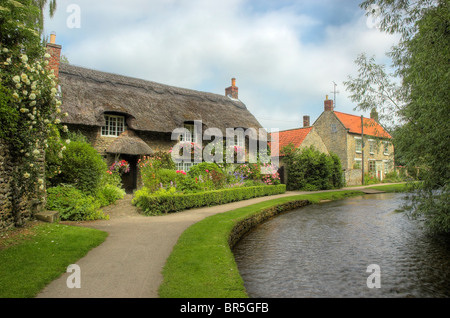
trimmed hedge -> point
(160, 204)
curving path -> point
(129, 263)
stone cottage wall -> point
(334, 136)
(377, 155)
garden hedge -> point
(160, 204)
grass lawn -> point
(31, 258)
(391, 187)
(202, 264)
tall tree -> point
(416, 95)
(41, 4)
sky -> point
(286, 55)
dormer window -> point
(114, 126)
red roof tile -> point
(353, 123)
(294, 136)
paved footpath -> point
(129, 263)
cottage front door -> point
(129, 180)
(379, 169)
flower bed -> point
(166, 189)
(156, 204)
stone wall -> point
(6, 217)
(314, 139)
(352, 177)
(333, 135)
(29, 204)
(244, 226)
(377, 154)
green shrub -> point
(152, 204)
(393, 176)
(310, 169)
(109, 194)
(73, 205)
(208, 176)
(203, 169)
(151, 168)
(167, 177)
(370, 179)
(82, 167)
(337, 178)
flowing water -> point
(324, 250)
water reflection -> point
(324, 251)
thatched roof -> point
(129, 144)
(88, 94)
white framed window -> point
(358, 163)
(190, 135)
(372, 166)
(114, 125)
(386, 147)
(371, 146)
(185, 166)
(358, 144)
(239, 140)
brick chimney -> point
(55, 54)
(306, 121)
(232, 91)
(328, 104)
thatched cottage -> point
(126, 118)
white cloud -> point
(201, 44)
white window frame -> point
(238, 140)
(374, 165)
(185, 166)
(371, 146)
(358, 160)
(110, 130)
(190, 136)
(358, 141)
(386, 147)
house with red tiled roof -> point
(362, 144)
(299, 138)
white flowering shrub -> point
(29, 99)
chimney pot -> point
(233, 90)
(53, 37)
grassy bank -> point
(391, 187)
(32, 257)
(202, 264)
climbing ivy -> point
(29, 101)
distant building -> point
(349, 138)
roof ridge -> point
(310, 127)
(357, 116)
(136, 82)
